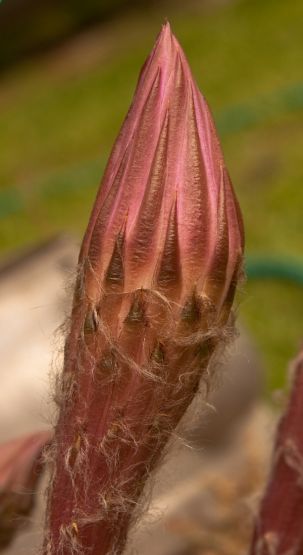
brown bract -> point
(157, 274)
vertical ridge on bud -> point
(158, 268)
(114, 274)
(215, 282)
(144, 233)
(169, 274)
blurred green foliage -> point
(61, 112)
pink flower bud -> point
(157, 273)
(20, 468)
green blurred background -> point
(68, 72)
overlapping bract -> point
(157, 273)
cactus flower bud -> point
(278, 528)
(157, 273)
(20, 468)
